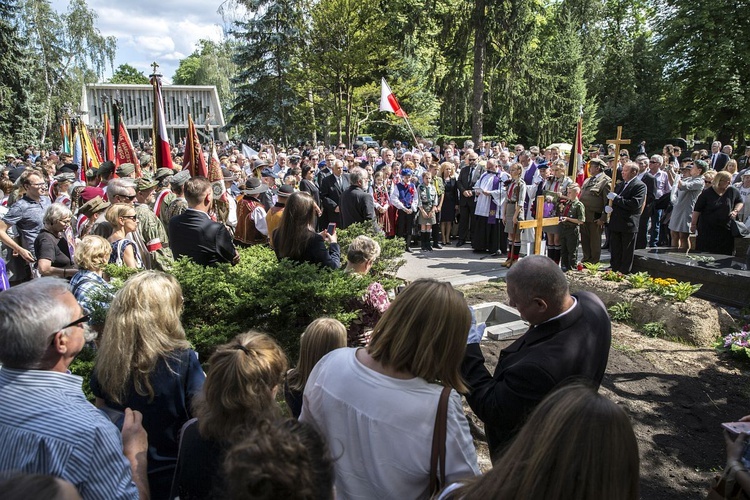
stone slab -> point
(724, 281)
(501, 321)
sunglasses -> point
(133, 217)
(129, 198)
(80, 321)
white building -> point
(201, 101)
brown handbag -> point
(437, 476)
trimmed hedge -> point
(261, 293)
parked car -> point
(367, 141)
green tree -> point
(269, 43)
(210, 64)
(16, 111)
(61, 46)
(127, 74)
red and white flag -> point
(388, 101)
(125, 152)
(162, 149)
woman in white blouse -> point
(376, 406)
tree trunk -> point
(480, 50)
(312, 117)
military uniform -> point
(154, 237)
(594, 198)
(570, 232)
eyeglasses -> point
(133, 217)
(80, 321)
(651, 161)
(39, 185)
(129, 198)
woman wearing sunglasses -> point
(124, 221)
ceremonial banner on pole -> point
(90, 157)
(109, 144)
(193, 159)
(388, 101)
(162, 150)
(126, 152)
(575, 165)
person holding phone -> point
(296, 240)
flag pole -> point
(411, 130)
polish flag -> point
(388, 101)
(162, 149)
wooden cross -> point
(540, 222)
(619, 140)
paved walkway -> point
(459, 266)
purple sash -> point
(492, 218)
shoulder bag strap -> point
(437, 476)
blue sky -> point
(164, 31)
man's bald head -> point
(538, 277)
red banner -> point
(126, 152)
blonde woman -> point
(395, 383)
(239, 393)
(124, 221)
(92, 255)
(145, 363)
(450, 201)
(558, 183)
(320, 337)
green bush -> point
(654, 329)
(622, 311)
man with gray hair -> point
(569, 337)
(46, 424)
(121, 190)
(356, 204)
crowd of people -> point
(375, 409)
(431, 193)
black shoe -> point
(436, 245)
(496, 254)
(605, 247)
(460, 243)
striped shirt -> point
(48, 427)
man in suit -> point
(650, 181)
(628, 202)
(356, 204)
(594, 197)
(718, 159)
(195, 235)
(467, 178)
(331, 188)
(569, 337)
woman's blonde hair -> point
(576, 444)
(92, 253)
(115, 212)
(424, 332)
(142, 326)
(320, 337)
(362, 249)
(240, 385)
(722, 176)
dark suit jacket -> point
(466, 182)
(720, 163)
(575, 345)
(330, 196)
(649, 180)
(195, 235)
(627, 207)
(356, 206)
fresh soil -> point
(676, 395)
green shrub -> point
(622, 311)
(655, 329)
(82, 366)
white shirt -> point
(380, 429)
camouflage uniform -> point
(158, 254)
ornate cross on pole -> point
(540, 222)
(617, 141)
(155, 66)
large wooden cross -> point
(617, 141)
(540, 222)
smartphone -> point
(737, 427)
(332, 228)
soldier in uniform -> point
(178, 204)
(164, 194)
(594, 197)
(151, 233)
